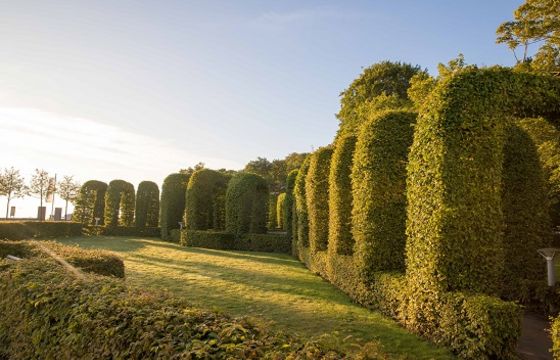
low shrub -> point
(123, 231)
(174, 235)
(220, 240)
(276, 243)
(20, 230)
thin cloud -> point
(310, 14)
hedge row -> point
(280, 209)
(272, 221)
(147, 205)
(301, 231)
(119, 203)
(90, 203)
(172, 207)
(122, 231)
(246, 204)
(289, 210)
(48, 314)
(221, 240)
(19, 230)
(205, 200)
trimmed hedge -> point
(123, 231)
(280, 208)
(246, 204)
(379, 193)
(221, 240)
(90, 203)
(317, 196)
(92, 261)
(272, 221)
(205, 200)
(48, 314)
(555, 332)
(147, 205)
(289, 211)
(301, 231)
(172, 207)
(19, 230)
(119, 204)
(340, 197)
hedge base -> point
(122, 231)
(221, 240)
(20, 230)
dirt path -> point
(535, 340)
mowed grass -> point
(273, 290)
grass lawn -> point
(273, 290)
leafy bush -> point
(555, 331)
(317, 196)
(379, 192)
(272, 222)
(123, 231)
(205, 200)
(221, 240)
(301, 231)
(147, 205)
(246, 204)
(280, 206)
(90, 203)
(119, 203)
(19, 230)
(172, 207)
(289, 210)
(277, 243)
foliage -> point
(246, 204)
(340, 197)
(222, 240)
(41, 183)
(172, 207)
(90, 203)
(301, 214)
(272, 222)
(275, 172)
(280, 206)
(119, 204)
(379, 192)
(147, 205)
(205, 200)
(19, 230)
(122, 231)
(555, 331)
(289, 202)
(317, 196)
(12, 186)
(69, 190)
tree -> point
(12, 186)
(40, 184)
(535, 22)
(68, 189)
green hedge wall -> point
(205, 200)
(221, 240)
(340, 197)
(455, 219)
(289, 211)
(526, 214)
(301, 231)
(555, 331)
(90, 203)
(246, 204)
(122, 231)
(19, 230)
(280, 208)
(272, 222)
(147, 205)
(379, 193)
(317, 196)
(172, 207)
(119, 203)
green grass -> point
(273, 290)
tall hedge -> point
(272, 222)
(289, 213)
(379, 193)
(246, 204)
(340, 197)
(301, 215)
(454, 188)
(90, 203)
(205, 200)
(280, 206)
(526, 217)
(119, 203)
(317, 195)
(172, 206)
(147, 205)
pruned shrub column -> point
(289, 209)
(272, 222)
(280, 206)
(90, 203)
(246, 204)
(317, 195)
(172, 210)
(205, 200)
(119, 204)
(379, 193)
(340, 197)
(147, 205)
(302, 229)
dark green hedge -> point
(340, 197)
(19, 230)
(289, 211)
(379, 193)
(246, 204)
(221, 240)
(147, 205)
(272, 222)
(172, 207)
(91, 261)
(119, 203)
(317, 196)
(122, 231)
(280, 208)
(90, 203)
(301, 231)
(48, 314)
(205, 200)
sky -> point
(137, 90)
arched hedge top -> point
(91, 202)
(147, 204)
(246, 204)
(119, 203)
(455, 175)
(205, 200)
(172, 207)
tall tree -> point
(40, 183)
(12, 185)
(535, 22)
(68, 189)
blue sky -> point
(171, 83)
